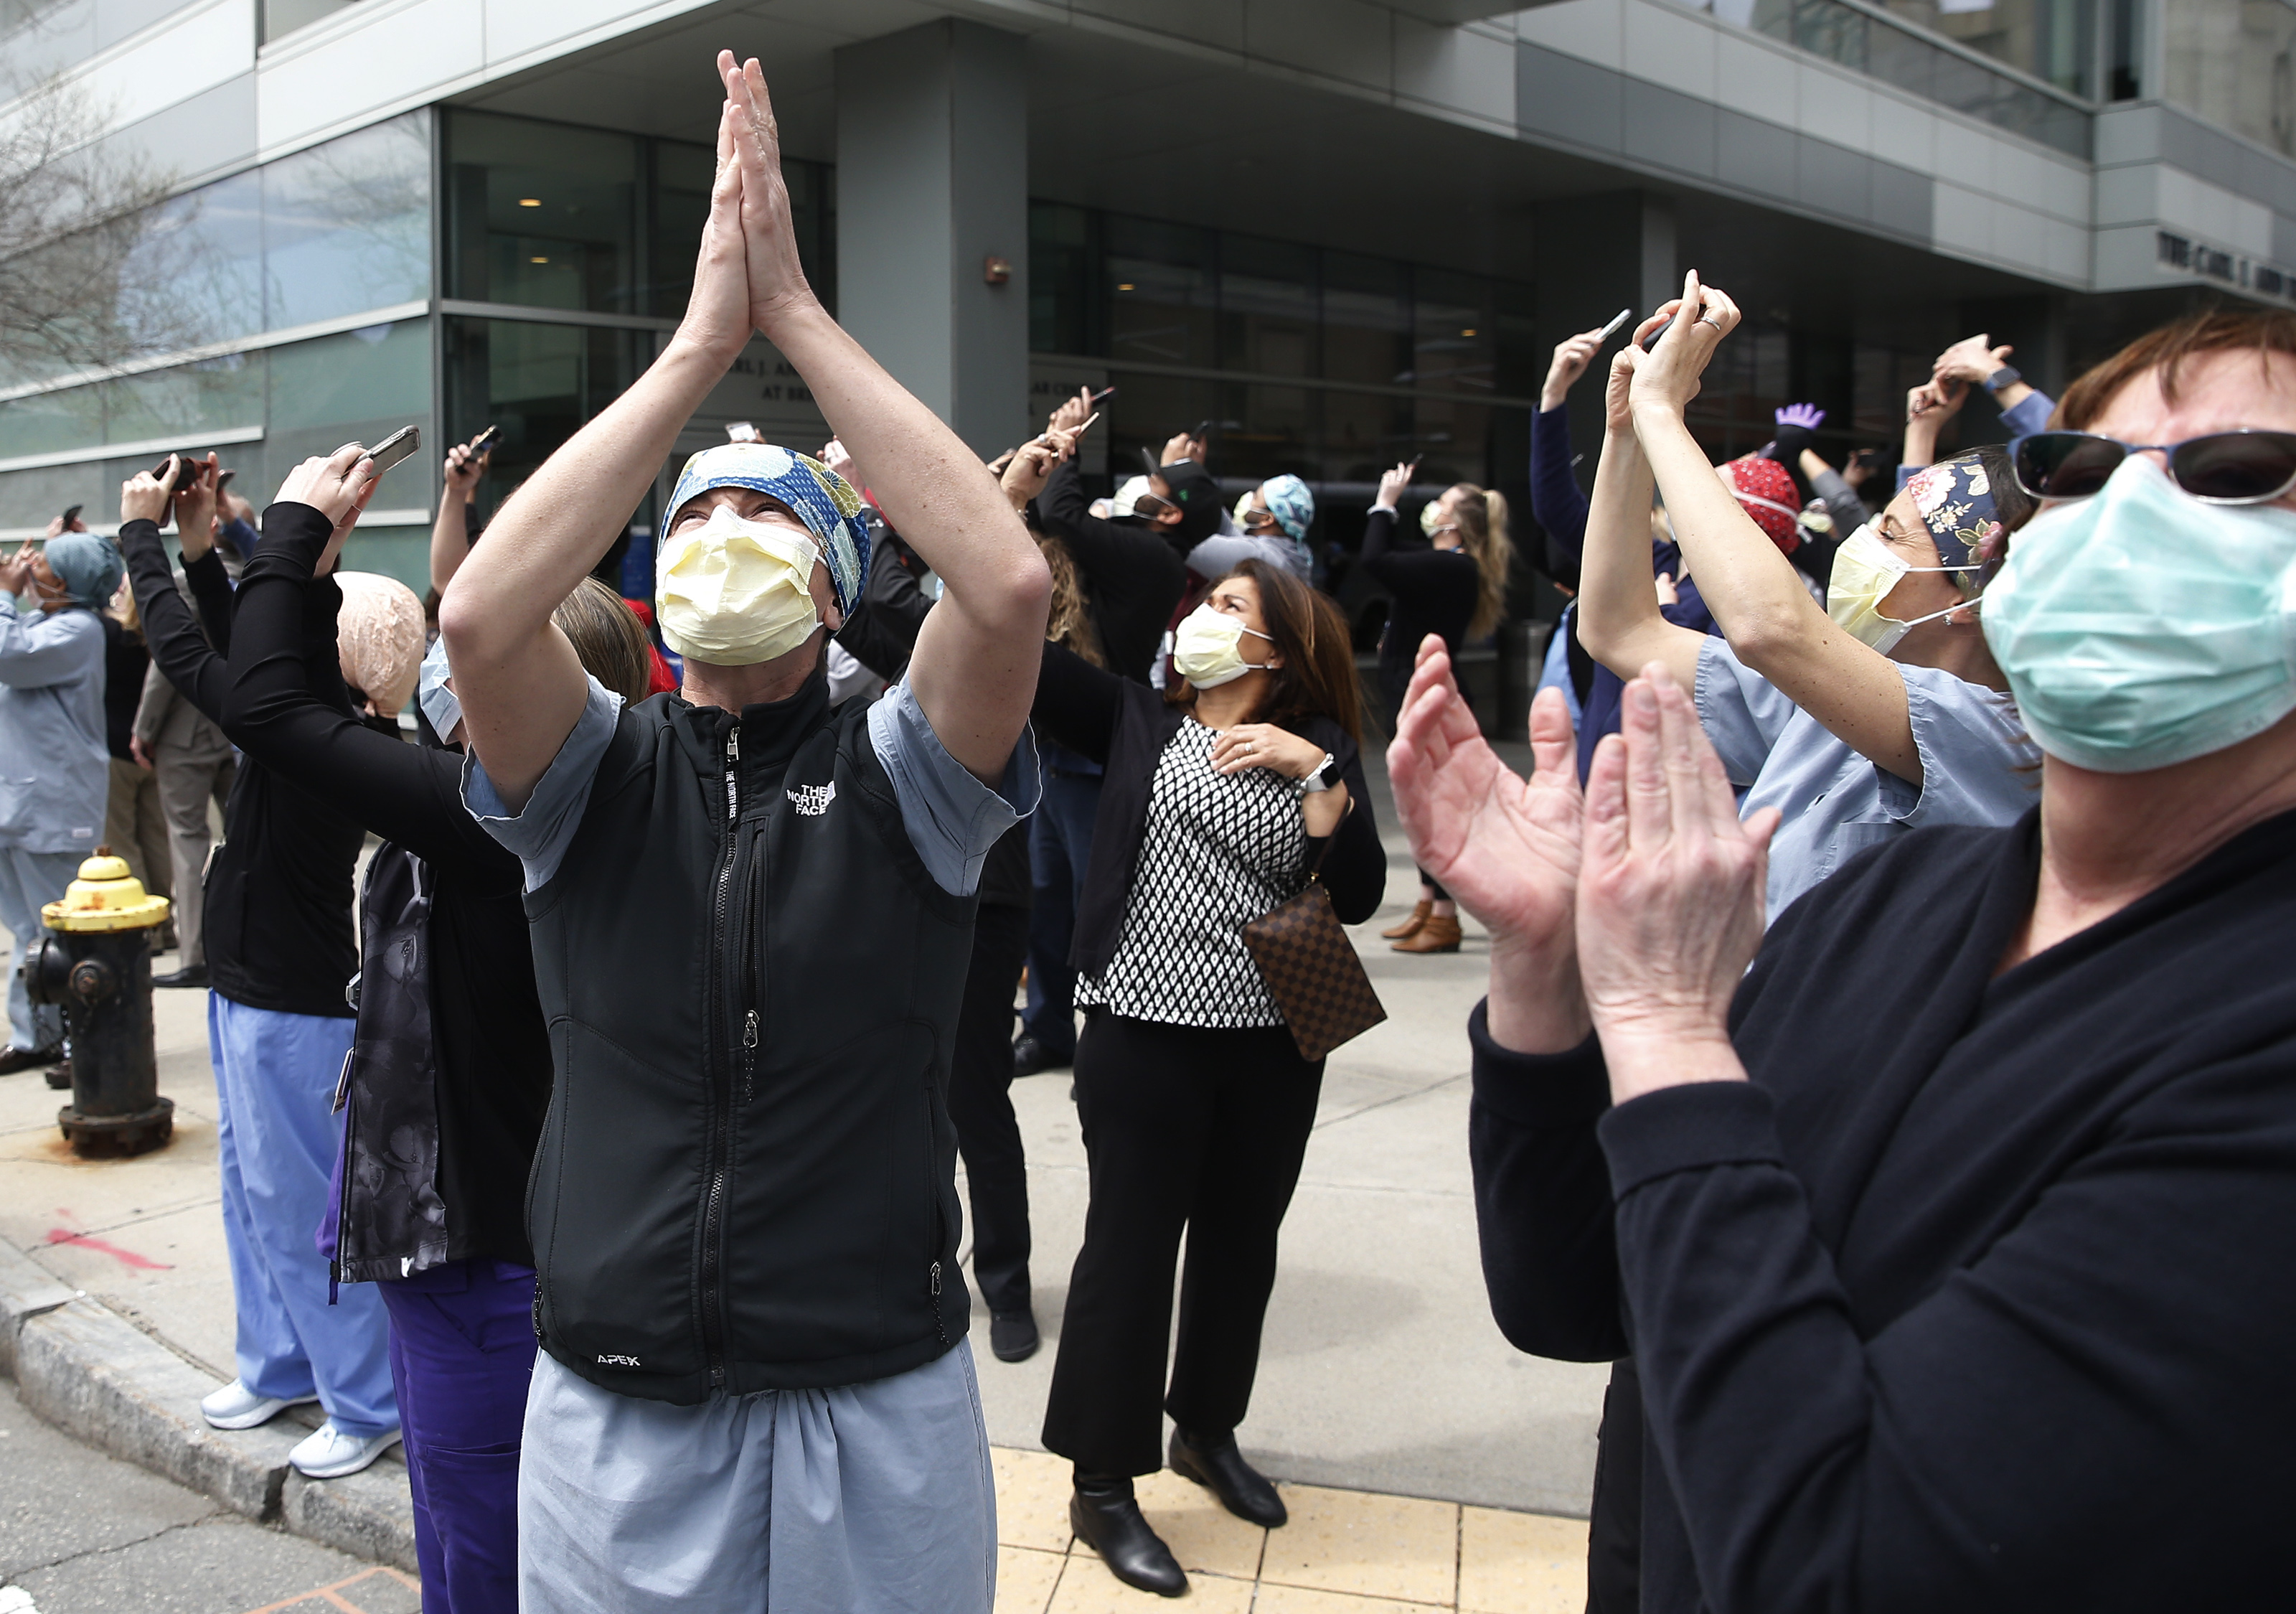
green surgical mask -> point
(2141, 628)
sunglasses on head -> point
(2221, 468)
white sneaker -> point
(329, 1453)
(236, 1407)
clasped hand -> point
(748, 276)
(1632, 907)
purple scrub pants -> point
(462, 1352)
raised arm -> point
(1772, 623)
(450, 533)
(974, 672)
(521, 684)
(406, 793)
(1619, 621)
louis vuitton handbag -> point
(1312, 970)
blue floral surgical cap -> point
(825, 501)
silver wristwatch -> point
(1326, 775)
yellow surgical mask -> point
(1864, 571)
(734, 593)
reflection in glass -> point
(1454, 342)
(347, 225)
(215, 395)
(537, 382)
(2234, 61)
(52, 423)
(1266, 307)
(680, 205)
(336, 389)
(1160, 287)
(542, 214)
(196, 273)
(1066, 310)
(1366, 319)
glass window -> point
(347, 225)
(215, 395)
(360, 386)
(1064, 292)
(1267, 307)
(542, 214)
(1366, 319)
(2234, 61)
(196, 272)
(1160, 284)
(683, 174)
(1454, 338)
(52, 423)
(2054, 40)
(284, 17)
(538, 383)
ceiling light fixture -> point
(529, 201)
(1466, 333)
(1125, 287)
(538, 260)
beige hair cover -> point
(380, 638)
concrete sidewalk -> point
(1382, 1371)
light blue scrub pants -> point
(28, 881)
(275, 1075)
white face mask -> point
(1864, 571)
(1208, 648)
(734, 593)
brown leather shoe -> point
(1411, 923)
(1440, 933)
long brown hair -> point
(1070, 623)
(1317, 678)
(1482, 516)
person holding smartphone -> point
(458, 521)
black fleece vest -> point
(747, 1180)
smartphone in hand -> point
(485, 440)
(394, 448)
(187, 472)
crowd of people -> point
(1876, 1068)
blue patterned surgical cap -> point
(825, 501)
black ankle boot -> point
(1108, 1520)
(1213, 1463)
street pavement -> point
(81, 1533)
(1382, 1371)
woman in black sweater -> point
(1195, 1101)
(451, 1075)
(1952, 1239)
(1451, 583)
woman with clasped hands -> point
(1952, 1237)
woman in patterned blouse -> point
(1220, 800)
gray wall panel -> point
(1560, 96)
(1834, 177)
(1660, 126)
(1904, 202)
(212, 132)
(1754, 155)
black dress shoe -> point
(13, 1059)
(59, 1074)
(1030, 1055)
(1213, 1463)
(1109, 1521)
(1012, 1335)
(190, 975)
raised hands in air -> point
(1631, 908)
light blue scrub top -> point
(1977, 766)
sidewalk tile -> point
(1087, 1587)
(1025, 1579)
(1297, 1600)
(1401, 1547)
(1522, 1563)
(1032, 1498)
(1202, 1535)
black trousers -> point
(980, 1106)
(1614, 1530)
(1186, 1129)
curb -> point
(89, 1372)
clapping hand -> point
(16, 571)
(1505, 848)
(1670, 894)
(1970, 360)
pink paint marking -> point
(144, 1263)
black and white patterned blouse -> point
(1216, 853)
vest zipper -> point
(713, 1232)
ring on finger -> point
(1708, 319)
